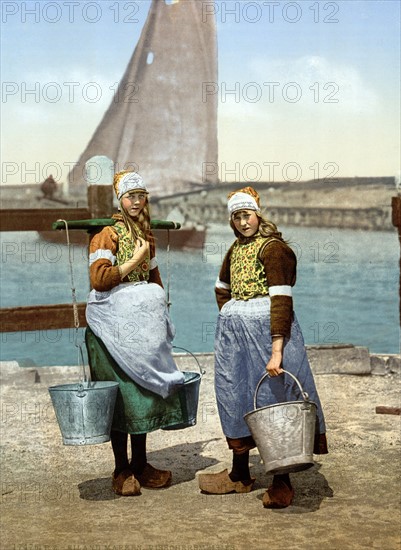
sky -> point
(306, 89)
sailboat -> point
(160, 122)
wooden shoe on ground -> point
(221, 484)
(125, 484)
(278, 495)
(152, 478)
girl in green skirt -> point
(129, 336)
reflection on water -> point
(346, 291)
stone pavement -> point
(57, 497)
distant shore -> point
(354, 203)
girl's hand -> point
(141, 250)
(273, 367)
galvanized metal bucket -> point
(84, 411)
(189, 396)
(284, 433)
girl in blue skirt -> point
(257, 331)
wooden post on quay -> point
(99, 172)
(396, 218)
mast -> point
(159, 123)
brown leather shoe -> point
(221, 484)
(152, 478)
(125, 484)
(278, 495)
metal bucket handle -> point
(202, 371)
(267, 375)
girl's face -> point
(246, 222)
(133, 202)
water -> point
(346, 291)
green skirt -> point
(137, 410)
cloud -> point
(57, 99)
(49, 116)
(318, 82)
(271, 90)
(50, 90)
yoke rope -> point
(74, 303)
(168, 269)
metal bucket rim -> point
(279, 405)
(197, 377)
(77, 386)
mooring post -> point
(396, 218)
(99, 172)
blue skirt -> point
(243, 347)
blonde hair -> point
(266, 229)
(141, 224)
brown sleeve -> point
(102, 249)
(280, 268)
(154, 274)
(223, 283)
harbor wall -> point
(354, 203)
(200, 212)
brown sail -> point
(160, 122)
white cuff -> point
(280, 290)
(100, 253)
(221, 284)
